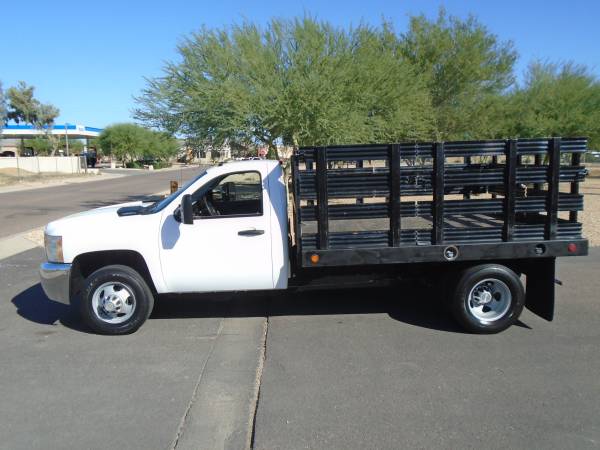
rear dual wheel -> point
(487, 298)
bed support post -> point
(322, 202)
(438, 193)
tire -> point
(115, 300)
(487, 299)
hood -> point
(104, 229)
(93, 218)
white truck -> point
(228, 229)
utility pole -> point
(67, 138)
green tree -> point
(39, 145)
(75, 145)
(557, 100)
(300, 82)
(24, 107)
(43, 146)
(159, 145)
(305, 82)
(466, 68)
(3, 112)
(129, 142)
(94, 144)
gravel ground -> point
(591, 210)
(10, 176)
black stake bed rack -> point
(435, 202)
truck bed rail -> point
(447, 194)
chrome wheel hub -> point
(113, 302)
(489, 300)
(483, 297)
(111, 305)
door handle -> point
(251, 232)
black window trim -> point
(213, 183)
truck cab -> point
(225, 230)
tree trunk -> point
(272, 152)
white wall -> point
(37, 164)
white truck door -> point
(228, 247)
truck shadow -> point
(33, 305)
(415, 306)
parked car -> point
(7, 153)
(91, 158)
(227, 230)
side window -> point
(236, 194)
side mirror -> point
(187, 213)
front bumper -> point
(56, 280)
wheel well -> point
(86, 263)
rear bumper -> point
(55, 281)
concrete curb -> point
(18, 243)
(221, 410)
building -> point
(12, 136)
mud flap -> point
(540, 287)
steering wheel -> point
(210, 207)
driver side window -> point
(236, 194)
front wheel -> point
(115, 300)
(488, 298)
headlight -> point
(54, 249)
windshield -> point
(159, 206)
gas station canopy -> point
(30, 132)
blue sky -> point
(89, 59)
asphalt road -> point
(343, 369)
(24, 210)
(386, 369)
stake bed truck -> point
(477, 217)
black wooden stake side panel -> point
(395, 194)
(359, 165)
(442, 180)
(553, 187)
(438, 193)
(322, 201)
(511, 187)
(575, 161)
(467, 194)
(309, 166)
